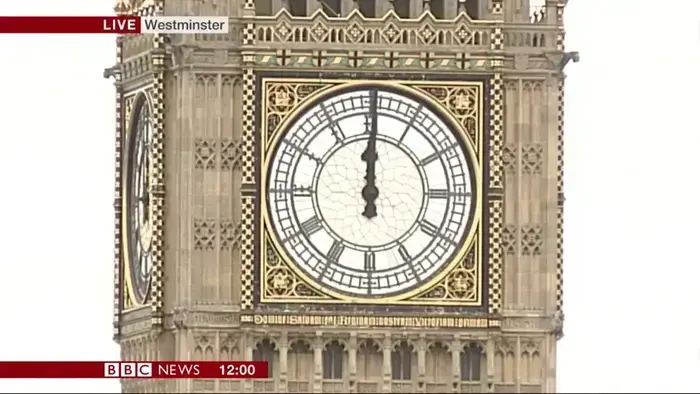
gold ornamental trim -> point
(281, 281)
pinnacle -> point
(122, 6)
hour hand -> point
(369, 156)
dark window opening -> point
(473, 9)
(402, 8)
(297, 7)
(470, 363)
(265, 351)
(437, 8)
(401, 359)
(367, 8)
(263, 7)
(333, 361)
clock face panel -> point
(139, 229)
(317, 202)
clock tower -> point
(367, 194)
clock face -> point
(370, 193)
(138, 219)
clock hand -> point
(369, 156)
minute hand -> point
(369, 156)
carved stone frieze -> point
(530, 238)
(222, 154)
(212, 233)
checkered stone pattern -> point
(560, 40)
(496, 132)
(560, 13)
(247, 257)
(495, 207)
(560, 192)
(495, 255)
(497, 39)
(118, 191)
(248, 137)
(496, 6)
(249, 5)
(158, 176)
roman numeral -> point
(301, 150)
(297, 191)
(403, 252)
(410, 123)
(438, 193)
(428, 228)
(335, 251)
(444, 193)
(431, 158)
(370, 262)
(311, 225)
(333, 125)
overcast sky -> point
(632, 162)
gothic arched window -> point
(265, 351)
(470, 363)
(333, 361)
(401, 361)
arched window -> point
(300, 361)
(369, 361)
(470, 363)
(265, 351)
(438, 362)
(401, 361)
(333, 361)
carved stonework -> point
(205, 231)
(532, 159)
(231, 233)
(510, 239)
(463, 102)
(205, 152)
(279, 282)
(282, 99)
(460, 285)
(531, 240)
(510, 158)
(231, 154)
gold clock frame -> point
(461, 282)
(133, 104)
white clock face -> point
(138, 219)
(420, 209)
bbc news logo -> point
(128, 370)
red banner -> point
(70, 24)
(139, 370)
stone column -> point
(318, 363)
(421, 356)
(456, 350)
(490, 365)
(352, 356)
(248, 343)
(283, 345)
(387, 363)
(421, 365)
